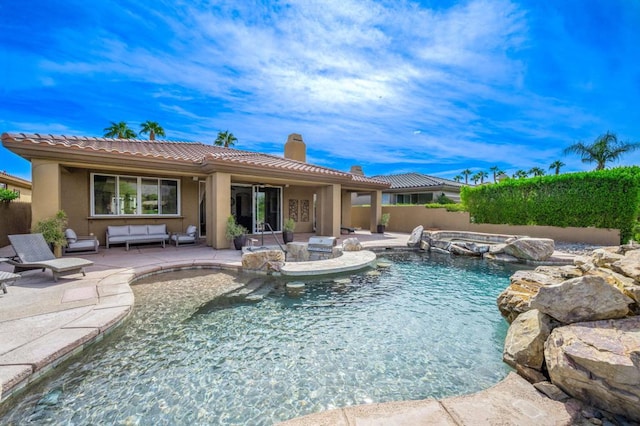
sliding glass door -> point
(267, 202)
(253, 205)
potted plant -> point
(287, 230)
(384, 221)
(52, 229)
(236, 233)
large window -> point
(131, 195)
(423, 198)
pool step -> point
(254, 291)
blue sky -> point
(395, 86)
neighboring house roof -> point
(181, 155)
(14, 180)
(417, 181)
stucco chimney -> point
(295, 148)
(356, 170)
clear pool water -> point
(193, 353)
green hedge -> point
(454, 207)
(602, 199)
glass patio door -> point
(267, 203)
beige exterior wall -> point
(406, 218)
(328, 220)
(345, 209)
(218, 209)
(76, 202)
(304, 196)
(46, 196)
(375, 212)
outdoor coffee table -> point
(6, 277)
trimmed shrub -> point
(8, 195)
(601, 199)
(455, 207)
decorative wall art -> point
(305, 211)
(293, 210)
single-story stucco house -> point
(18, 185)
(412, 188)
(100, 182)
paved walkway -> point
(43, 322)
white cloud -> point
(384, 82)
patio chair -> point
(79, 243)
(33, 252)
(187, 237)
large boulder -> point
(629, 265)
(599, 363)
(461, 250)
(531, 248)
(516, 298)
(263, 260)
(416, 236)
(500, 257)
(587, 298)
(628, 286)
(603, 257)
(524, 344)
(351, 244)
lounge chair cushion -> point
(70, 235)
(191, 230)
(80, 245)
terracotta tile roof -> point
(416, 180)
(192, 152)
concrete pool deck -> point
(43, 323)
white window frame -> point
(138, 195)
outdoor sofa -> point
(136, 234)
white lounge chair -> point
(33, 252)
(187, 237)
(79, 243)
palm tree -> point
(604, 149)
(153, 128)
(556, 165)
(457, 178)
(520, 174)
(119, 130)
(225, 139)
(496, 171)
(536, 171)
(466, 173)
(483, 175)
(476, 177)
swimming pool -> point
(196, 350)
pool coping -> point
(40, 354)
(348, 261)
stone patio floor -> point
(42, 323)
